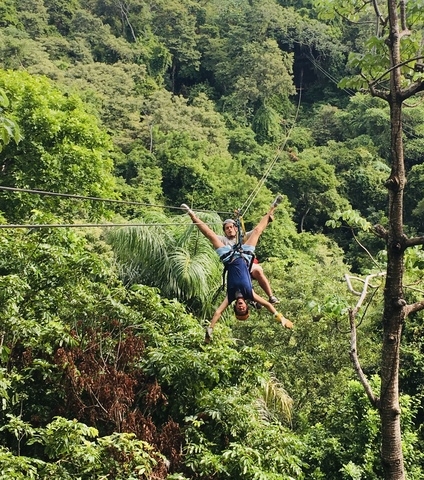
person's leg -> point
(265, 220)
(259, 275)
(207, 232)
(260, 227)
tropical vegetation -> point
(114, 113)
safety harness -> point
(236, 249)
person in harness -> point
(237, 261)
(229, 226)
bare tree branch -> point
(380, 231)
(376, 92)
(416, 104)
(124, 15)
(355, 360)
(403, 16)
(364, 291)
(409, 287)
(414, 307)
(414, 88)
(353, 340)
(378, 13)
(365, 249)
(412, 242)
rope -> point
(240, 232)
(90, 225)
(261, 182)
(255, 191)
(98, 199)
(407, 128)
(328, 74)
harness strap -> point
(228, 257)
(240, 230)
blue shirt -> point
(238, 274)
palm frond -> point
(192, 274)
(138, 243)
(177, 259)
(274, 401)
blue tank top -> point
(238, 279)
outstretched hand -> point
(208, 335)
(277, 201)
(187, 208)
(285, 322)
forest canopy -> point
(113, 114)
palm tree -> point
(273, 402)
(171, 255)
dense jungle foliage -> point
(127, 109)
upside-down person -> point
(237, 262)
(256, 272)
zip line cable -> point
(246, 205)
(328, 74)
(98, 199)
(125, 202)
(240, 212)
(261, 182)
(92, 225)
(244, 208)
(350, 92)
(70, 195)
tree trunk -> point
(391, 30)
(393, 315)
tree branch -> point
(403, 16)
(380, 231)
(353, 340)
(414, 88)
(378, 14)
(365, 249)
(414, 307)
(364, 292)
(124, 13)
(375, 92)
(355, 360)
(356, 11)
(401, 64)
(412, 242)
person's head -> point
(230, 228)
(241, 308)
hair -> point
(229, 220)
(241, 316)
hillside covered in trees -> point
(114, 113)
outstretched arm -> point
(278, 316)
(207, 232)
(218, 312)
(215, 318)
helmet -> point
(228, 220)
